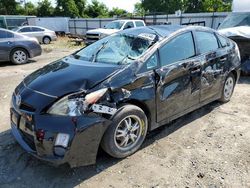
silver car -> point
(17, 48)
(43, 35)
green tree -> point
(67, 8)
(193, 6)
(30, 8)
(217, 5)
(81, 5)
(139, 10)
(117, 12)
(166, 6)
(8, 7)
(45, 8)
(97, 9)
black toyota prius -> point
(111, 93)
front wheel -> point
(126, 133)
(228, 88)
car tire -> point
(126, 133)
(228, 88)
(46, 40)
(19, 56)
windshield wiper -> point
(94, 56)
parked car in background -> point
(43, 35)
(111, 93)
(17, 48)
(58, 24)
(112, 27)
(236, 26)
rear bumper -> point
(36, 51)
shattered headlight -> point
(74, 105)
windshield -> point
(116, 49)
(115, 25)
(235, 20)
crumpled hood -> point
(102, 31)
(242, 31)
(68, 75)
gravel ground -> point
(209, 147)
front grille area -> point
(92, 36)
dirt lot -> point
(207, 148)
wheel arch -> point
(141, 105)
(234, 72)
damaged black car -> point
(111, 93)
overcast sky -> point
(124, 4)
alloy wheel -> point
(128, 132)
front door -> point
(178, 87)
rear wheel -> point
(46, 40)
(228, 88)
(19, 56)
(126, 133)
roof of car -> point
(163, 31)
(126, 20)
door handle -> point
(9, 42)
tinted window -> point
(206, 42)
(36, 29)
(223, 41)
(26, 29)
(129, 25)
(179, 48)
(3, 34)
(139, 24)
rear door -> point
(6, 44)
(178, 87)
(38, 33)
(213, 61)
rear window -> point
(139, 23)
(207, 42)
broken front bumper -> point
(85, 136)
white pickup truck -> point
(112, 27)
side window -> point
(223, 41)
(207, 42)
(25, 29)
(129, 25)
(36, 29)
(179, 48)
(9, 35)
(139, 23)
(152, 62)
(3, 34)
